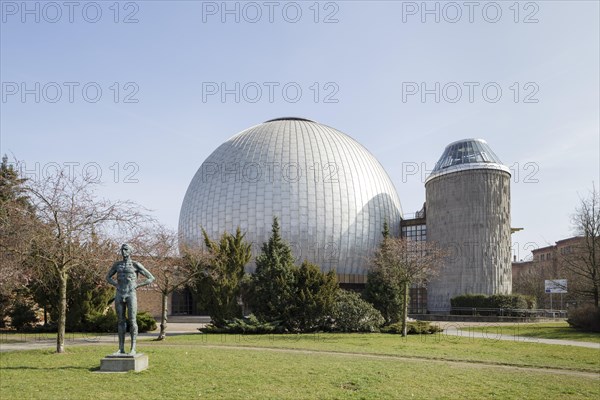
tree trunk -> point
(163, 317)
(405, 310)
(62, 312)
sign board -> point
(556, 286)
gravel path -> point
(451, 328)
(494, 335)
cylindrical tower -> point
(468, 214)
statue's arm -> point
(109, 275)
(142, 270)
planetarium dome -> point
(330, 194)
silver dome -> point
(330, 194)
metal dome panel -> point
(330, 194)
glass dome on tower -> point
(466, 154)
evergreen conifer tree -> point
(220, 286)
(273, 285)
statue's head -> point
(126, 249)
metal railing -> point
(508, 312)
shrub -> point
(470, 300)
(313, 300)
(84, 299)
(5, 307)
(49, 327)
(22, 316)
(585, 318)
(107, 322)
(102, 323)
(506, 302)
(412, 328)
(531, 301)
(300, 299)
(353, 314)
(245, 325)
(87, 295)
(145, 322)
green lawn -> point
(184, 369)
(548, 330)
(437, 346)
(218, 366)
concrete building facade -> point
(468, 215)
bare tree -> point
(530, 282)
(159, 247)
(582, 261)
(403, 262)
(72, 219)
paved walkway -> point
(48, 340)
(43, 342)
(495, 335)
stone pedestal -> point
(124, 363)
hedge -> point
(507, 302)
(586, 318)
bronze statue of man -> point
(126, 299)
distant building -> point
(545, 258)
(545, 264)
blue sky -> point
(361, 68)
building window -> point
(418, 300)
(415, 232)
(181, 302)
